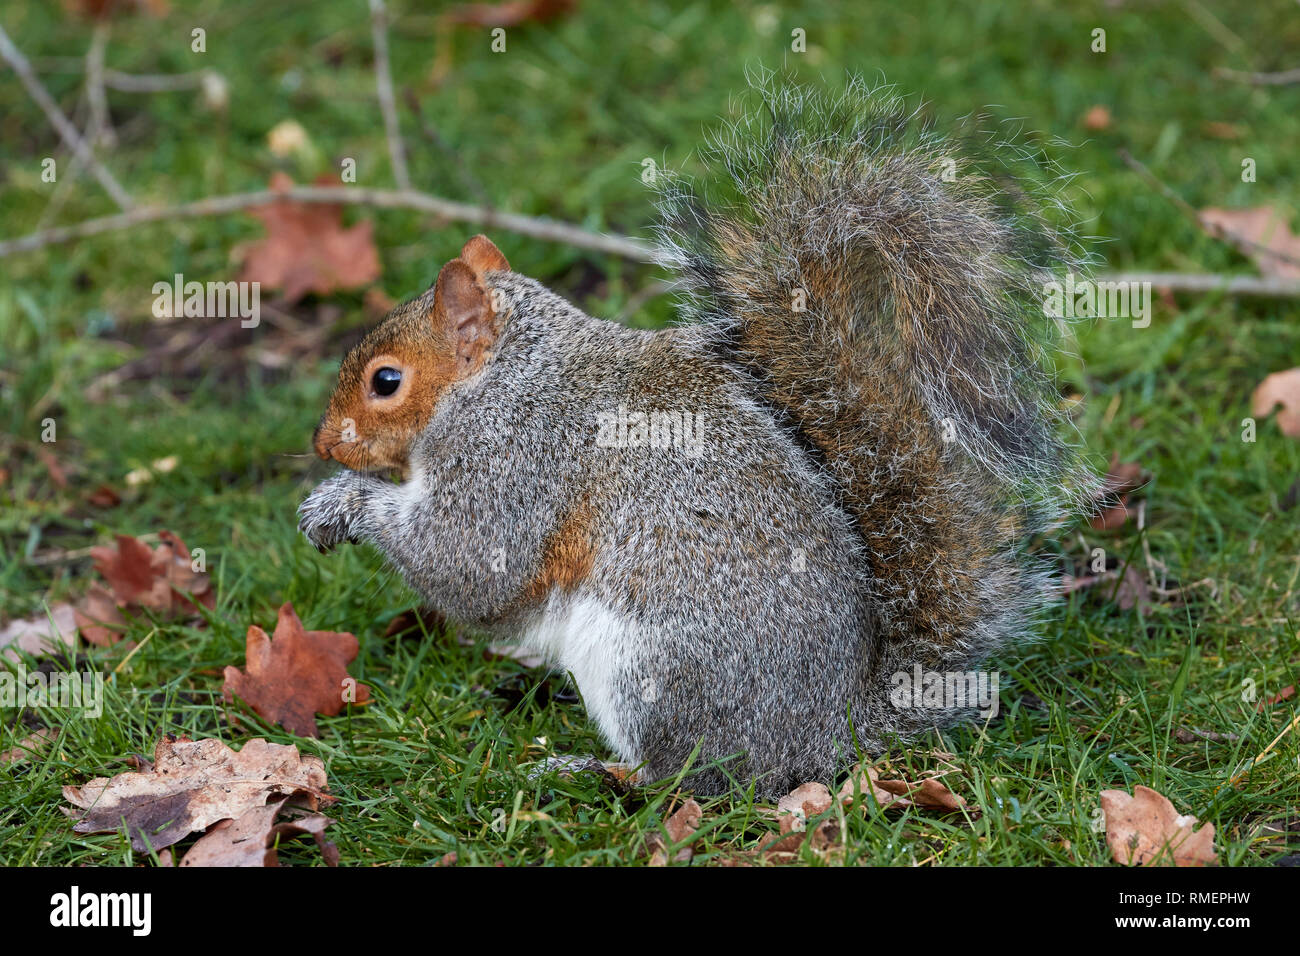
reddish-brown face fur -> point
(433, 341)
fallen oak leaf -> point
(794, 810)
(867, 781)
(102, 9)
(1097, 117)
(251, 838)
(104, 496)
(1217, 129)
(42, 634)
(421, 620)
(929, 794)
(307, 249)
(933, 795)
(1133, 591)
(241, 841)
(291, 678)
(1145, 829)
(193, 784)
(1280, 388)
(1122, 478)
(509, 14)
(51, 462)
(161, 579)
(30, 746)
(1286, 693)
(681, 826)
(1262, 234)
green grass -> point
(558, 126)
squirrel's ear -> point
(462, 309)
(483, 255)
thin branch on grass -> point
(154, 82)
(1282, 78)
(384, 84)
(1209, 282)
(18, 63)
(100, 129)
(535, 227)
(127, 82)
(548, 230)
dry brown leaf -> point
(250, 840)
(1280, 388)
(41, 634)
(864, 782)
(420, 621)
(1262, 234)
(1121, 479)
(1145, 829)
(680, 826)
(1217, 129)
(192, 785)
(509, 14)
(933, 795)
(296, 675)
(1286, 693)
(102, 9)
(929, 794)
(161, 579)
(794, 810)
(1133, 590)
(801, 804)
(104, 496)
(1097, 118)
(29, 746)
(51, 462)
(307, 249)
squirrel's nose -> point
(318, 442)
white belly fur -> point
(586, 638)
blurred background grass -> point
(558, 125)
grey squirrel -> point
(738, 532)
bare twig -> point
(384, 84)
(126, 82)
(18, 63)
(537, 228)
(1206, 282)
(153, 82)
(1283, 78)
(100, 132)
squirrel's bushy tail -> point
(885, 287)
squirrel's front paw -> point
(326, 517)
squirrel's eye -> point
(386, 381)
